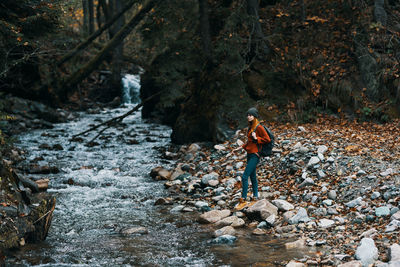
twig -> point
(44, 215)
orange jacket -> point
(252, 145)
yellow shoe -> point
(241, 205)
(253, 201)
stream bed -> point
(104, 191)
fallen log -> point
(43, 184)
(111, 122)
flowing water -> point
(106, 188)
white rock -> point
(297, 145)
(396, 216)
(330, 160)
(177, 208)
(367, 252)
(301, 129)
(213, 216)
(227, 230)
(321, 156)
(239, 142)
(322, 149)
(325, 223)
(351, 264)
(219, 147)
(301, 243)
(314, 160)
(370, 233)
(294, 263)
(282, 204)
(394, 252)
(134, 230)
(233, 221)
(213, 183)
(387, 172)
(199, 204)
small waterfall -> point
(131, 87)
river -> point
(105, 189)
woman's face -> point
(250, 117)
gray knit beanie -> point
(253, 111)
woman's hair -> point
(253, 124)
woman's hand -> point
(253, 134)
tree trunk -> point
(205, 28)
(117, 57)
(70, 84)
(85, 7)
(92, 37)
(91, 16)
(257, 40)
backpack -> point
(266, 149)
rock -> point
(327, 202)
(200, 204)
(370, 233)
(301, 243)
(313, 161)
(160, 173)
(325, 223)
(386, 172)
(214, 216)
(271, 220)
(208, 177)
(233, 221)
(321, 174)
(294, 263)
(227, 230)
(394, 253)
(351, 264)
(301, 129)
(322, 149)
(289, 214)
(382, 211)
(239, 165)
(177, 208)
(301, 216)
(282, 204)
(306, 182)
(176, 173)
(224, 239)
(213, 183)
(259, 231)
(161, 201)
(354, 202)
(396, 216)
(367, 252)
(133, 230)
(219, 147)
(261, 210)
(375, 195)
(392, 226)
(193, 148)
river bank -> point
(331, 186)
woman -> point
(256, 136)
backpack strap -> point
(258, 146)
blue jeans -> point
(252, 161)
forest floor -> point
(344, 174)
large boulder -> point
(261, 210)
